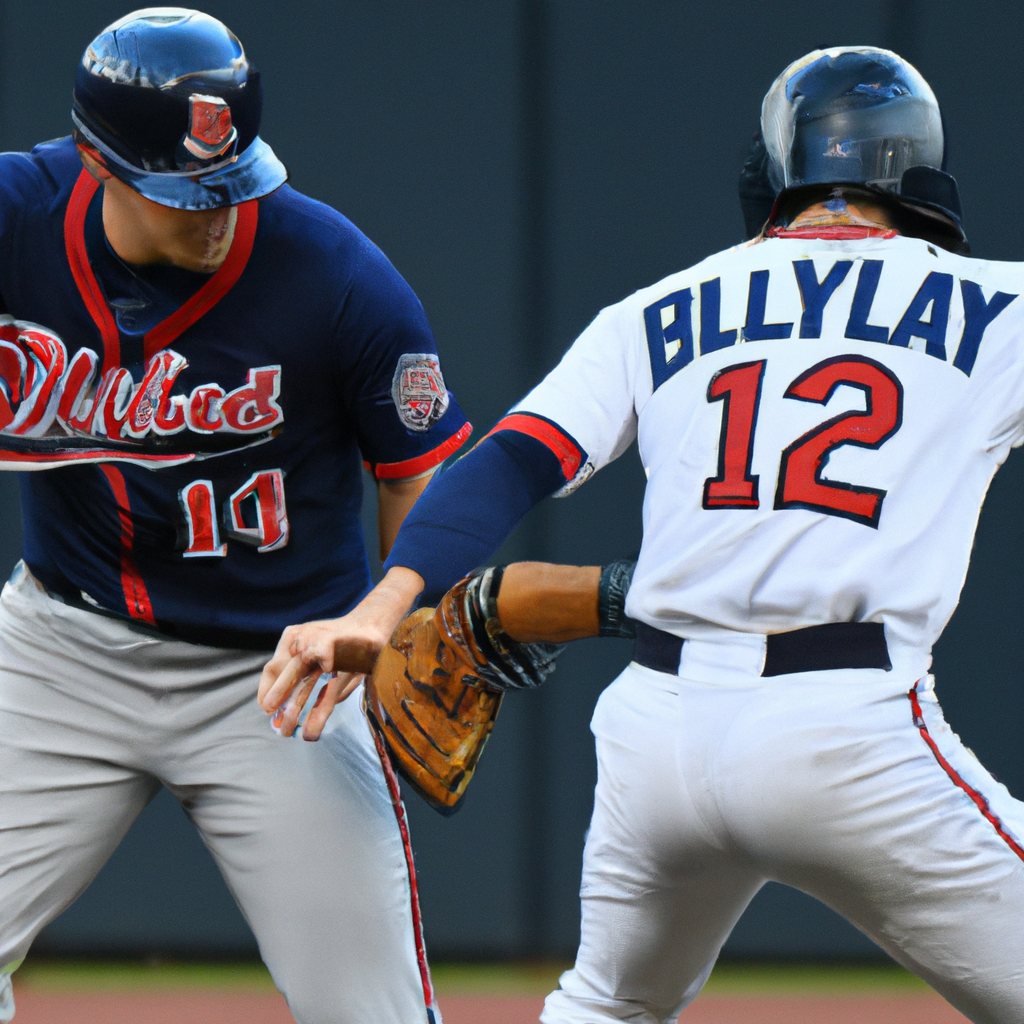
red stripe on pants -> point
(979, 800)
(417, 922)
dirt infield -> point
(241, 1007)
(712, 1009)
(97, 992)
(202, 1007)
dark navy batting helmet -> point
(859, 116)
(170, 100)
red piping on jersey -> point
(420, 464)
(215, 289)
(417, 922)
(562, 447)
(181, 319)
(88, 287)
(836, 233)
(979, 800)
(136, 597)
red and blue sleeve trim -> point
(425, 462)
(564, 448)
(469, 509)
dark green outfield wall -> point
(524, 163)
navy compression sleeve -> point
(464, 515)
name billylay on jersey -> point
(819, 421)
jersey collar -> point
(835, 233)
(181, 319)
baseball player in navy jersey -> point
(201, 360)
(820, 412)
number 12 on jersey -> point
(800, 484)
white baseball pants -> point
(94, 716)
(848, 785)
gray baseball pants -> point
(95, 716)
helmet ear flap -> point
(928, 186)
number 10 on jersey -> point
(259, 501)
(800, 483)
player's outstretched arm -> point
(347, 646)
(303, 648)
(543, 603)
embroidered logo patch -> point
(210, 130)
(418, 390)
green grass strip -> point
(90, 975)
(529, 979)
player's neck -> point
(839, 212)
(143, 232)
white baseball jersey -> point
(819, 421)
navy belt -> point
(812, 649)
(60, 588)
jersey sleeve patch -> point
(576, 466)
(418, 390)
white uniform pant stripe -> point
(979, 799)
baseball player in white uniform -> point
(820, 412)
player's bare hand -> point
(337, 689)
(306, 652)
(347, 646)
(338, 686)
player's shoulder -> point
(299, 220)
(311, 234)
(901, 258)
(48, 172)
(997, 273)
(903, 251)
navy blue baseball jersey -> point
(306, 339)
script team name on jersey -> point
(39, 383)
(942, 316)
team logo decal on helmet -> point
(418, 390)
(211, 132)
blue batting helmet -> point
(864, 117)
(850, 114)
(170, 100)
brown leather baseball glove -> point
(437, 687)
(431, 711)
